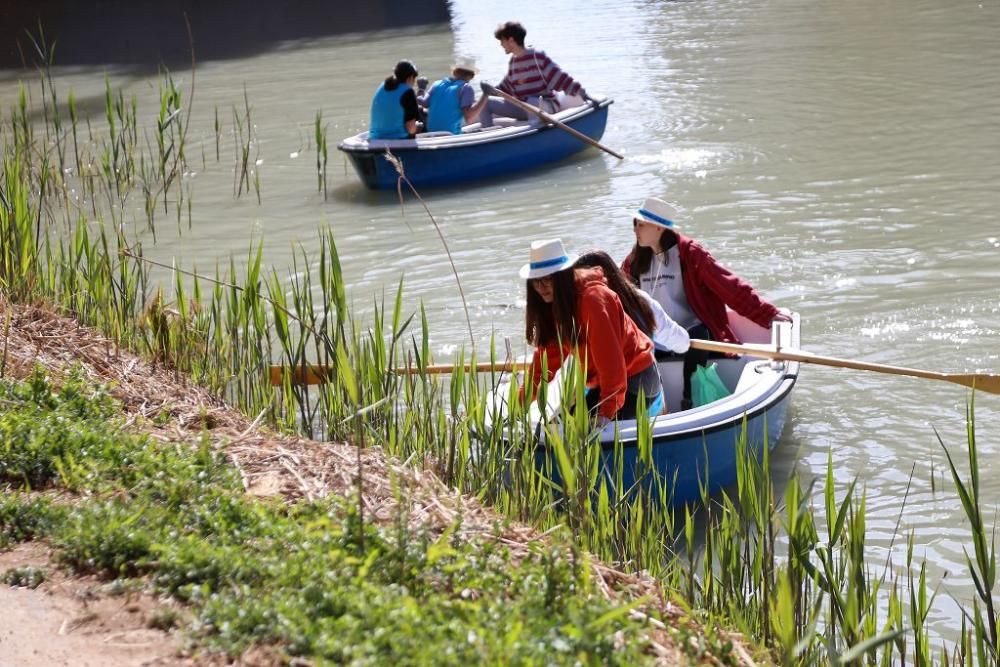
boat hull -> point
(439, 161)
(700, 448)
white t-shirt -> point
(667, 334)
(663, 282)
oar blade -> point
(987, 382)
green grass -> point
(308, 577)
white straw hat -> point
(547, 257)
(657, 212)
(468, 64)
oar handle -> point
(549, 119)
(980, 381)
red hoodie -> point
(710, 287)
(612, 345)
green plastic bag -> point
(707, 386)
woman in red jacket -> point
(573, 312)
(689, 283)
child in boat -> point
(573, 311)
(451, 102)
(693, 288)
(394, 112)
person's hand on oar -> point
(588, 99)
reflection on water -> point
(844, 158)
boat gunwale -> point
(465, 140)
(769, 400)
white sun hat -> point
(468, 64)
(656, 212)
(546, 258)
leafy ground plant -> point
(305, 578)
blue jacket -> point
(387, 114)
(444, 114)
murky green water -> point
(843, 157)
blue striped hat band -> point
(656, 218)
(548, 262)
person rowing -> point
(693, 288)
(531, 77)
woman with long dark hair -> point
(644, 310)
(394, 112)
(693, 288)
(572, 311)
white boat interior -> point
(473, 134)
(751, 381)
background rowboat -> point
(441, 158)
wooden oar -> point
(530, 108)
(318, 374)
(987, 382)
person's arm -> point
(411, 112)
(601, 319)
(506, 84)
(554, 77)
(547, 358)
(733, 290)
(470, 107)
(667, 334)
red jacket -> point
(710, 287)
(612, 345)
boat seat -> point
(748, 374)
(498, 122)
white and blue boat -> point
(698, 447)
(442, 158)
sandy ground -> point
(70, 621)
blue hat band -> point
(548, 262)
(656, 218)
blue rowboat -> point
(698, 447)
(442, 158)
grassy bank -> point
(311, 579)
(790, 571)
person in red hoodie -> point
(571, 311)
(689, 283)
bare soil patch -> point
(75, 621)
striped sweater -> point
(534, 73)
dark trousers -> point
(648, 380)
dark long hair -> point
(546, 323)
(635, 306)
(404, 70)
(642, 258)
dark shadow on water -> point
(148, 33)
